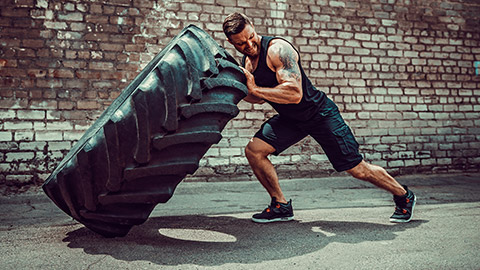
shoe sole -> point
(394, 220)
(272, 220)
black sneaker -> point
(403, 207)
(275, 212)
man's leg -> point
(257, 152)
(337, 140)
(404, 199)
(377, 176)
(275, 135)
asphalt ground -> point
(340, 223)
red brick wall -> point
(402, 72)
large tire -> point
(151, 136)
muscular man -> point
(274, 74)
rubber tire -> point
(150, 137)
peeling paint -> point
(156, 25)
(96, 55)
(42, 4)
(333, 46)
(159, 18)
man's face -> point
(247, 41)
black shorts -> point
(326, 127)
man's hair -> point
(235, 23)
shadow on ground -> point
(228, 239)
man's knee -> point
(359, 174)
(365, 171)
(362, 171)
(257, 148)
(250, 151)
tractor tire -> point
(150, 137)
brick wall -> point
(402, 72)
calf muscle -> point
(377, 176)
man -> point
(274, 74)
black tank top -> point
(312, 99)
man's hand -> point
(251, 85)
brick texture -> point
(404, 74)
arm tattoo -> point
(289, 64)
(287, 61)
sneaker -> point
(275, 212)
(403, 207)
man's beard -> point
(252, 52)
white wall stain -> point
(156, 25)
(158, 19)
(277, 13)
(42, 4)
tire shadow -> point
(210, 241)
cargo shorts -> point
(327, 127)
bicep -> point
(285, 62)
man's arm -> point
(253, 99)
(283, 59)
